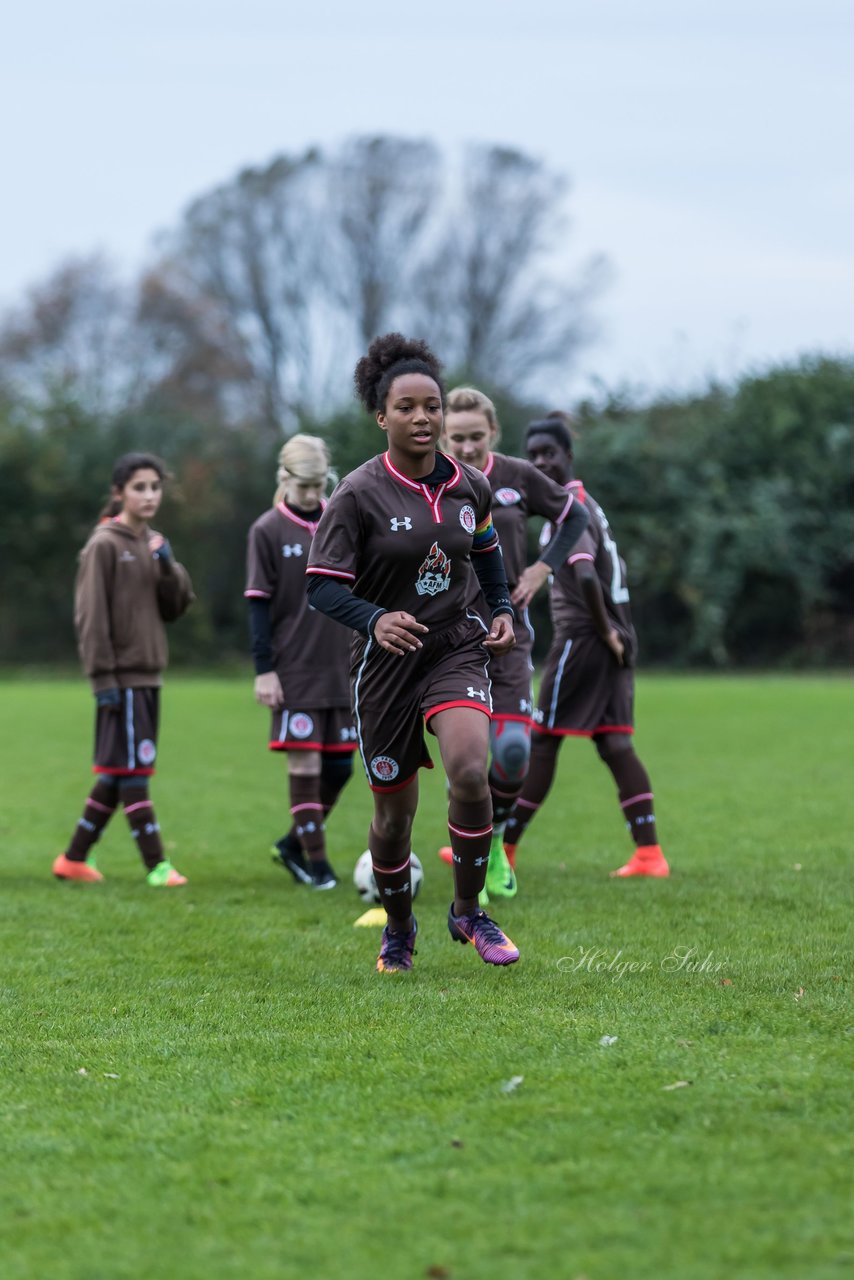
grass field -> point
(214, 1082)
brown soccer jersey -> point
(402, 544)
(310, 652)
(520, 491)
(570, 614)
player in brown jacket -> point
(128, 585)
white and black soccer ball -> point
(366, 885)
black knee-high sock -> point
(635, 792)
(504, 796)
(143, 824)
(390, 860)
(99, 808)
(470, 827)
(535, 788)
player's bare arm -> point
(501, 638)
(530, 582)
(398, 632)
(595, 601)
(268, 690)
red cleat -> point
(446, 853)
(65, 869)
(510, 851)
(648, 860)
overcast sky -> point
(709, 144)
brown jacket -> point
(122, 597)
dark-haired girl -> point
(392, 559)
(587, 689)
(128, 585)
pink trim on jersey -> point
(565, 511)
(389, 871)
(463, 702)
(140, 804)
(470, 835)
(311, 525)
(644, 795)
(331, 573)
(257, 595)
(490, 463)
(432, 499)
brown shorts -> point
(584, 691)
(309, 730)
(126, 736)
(512, 677)
(394, 698)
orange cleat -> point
(510, 853)
(65, 869)
(446, 853)
(648, 860)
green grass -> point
(258, 1102)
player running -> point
(392, 559)
(300, 660)
(128, 585)
(519, 491)
(587, 688)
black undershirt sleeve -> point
(489, 567)
(261, 634)
(332, 597)
(566, 536)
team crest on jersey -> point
(146, 751)
(301, 725)
(468, 519)
(384, 768)
(507, 497)
(434, 573)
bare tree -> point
(381, 193)
(496, 297)
(253, 247)
(73, 335)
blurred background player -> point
(128, 585)
(587, 688)
(301, 660)
(393, 558)
(519, 491)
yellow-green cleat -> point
(500, 876)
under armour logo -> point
(389, 893)
(476, 693)
(403, 523)
(295, 550)
(479, 862)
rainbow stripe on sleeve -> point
(485, 538)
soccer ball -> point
(366, 885)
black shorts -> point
(584, 691)
(512, 677)
(394, 698)
(126, 736)
(329, 730)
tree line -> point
(733, 506)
